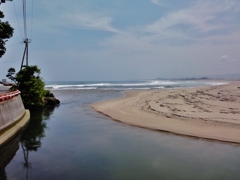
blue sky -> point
(125, 40)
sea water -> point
(72, 141)
(127, 85)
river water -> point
(72, 141)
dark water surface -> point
(73, 141)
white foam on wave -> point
(67, 87)
(163, 82)
(150, 84)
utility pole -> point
(26, 41)
(25, 53)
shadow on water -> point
(29, 140)
(7, 152)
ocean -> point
(127, 85)
(72, 141)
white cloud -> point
(88, 21)
(227, 58)
(77, 14)
(157, 2)
(163, 42)
(224, 58)
(197, 21)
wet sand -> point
(206, 112)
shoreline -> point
(211, 112)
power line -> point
(5, 62)
(14, 44)
(17, 19)
(13, 56)
(32, 20)
(24, 18)
(26, 40)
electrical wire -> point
(5, 62)
(14, 44)
(24, 18)
(17, 19)
(32, 20)
(15, 55)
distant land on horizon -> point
(235, 77)
(209, 77)
(194, 78)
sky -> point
(125, 39)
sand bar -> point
(206, 112)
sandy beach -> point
(206, 112)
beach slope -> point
(206, 112)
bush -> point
(30, 84)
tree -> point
(6, 32)
(30, 84)
(11, 72)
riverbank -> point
(207, 112)
(13, 116)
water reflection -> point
(29, 140)
(7, 152)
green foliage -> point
(6, 31)
(47, 93)
(11, 72)
(30, 85)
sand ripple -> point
(207, 112)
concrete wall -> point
(11, 111)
